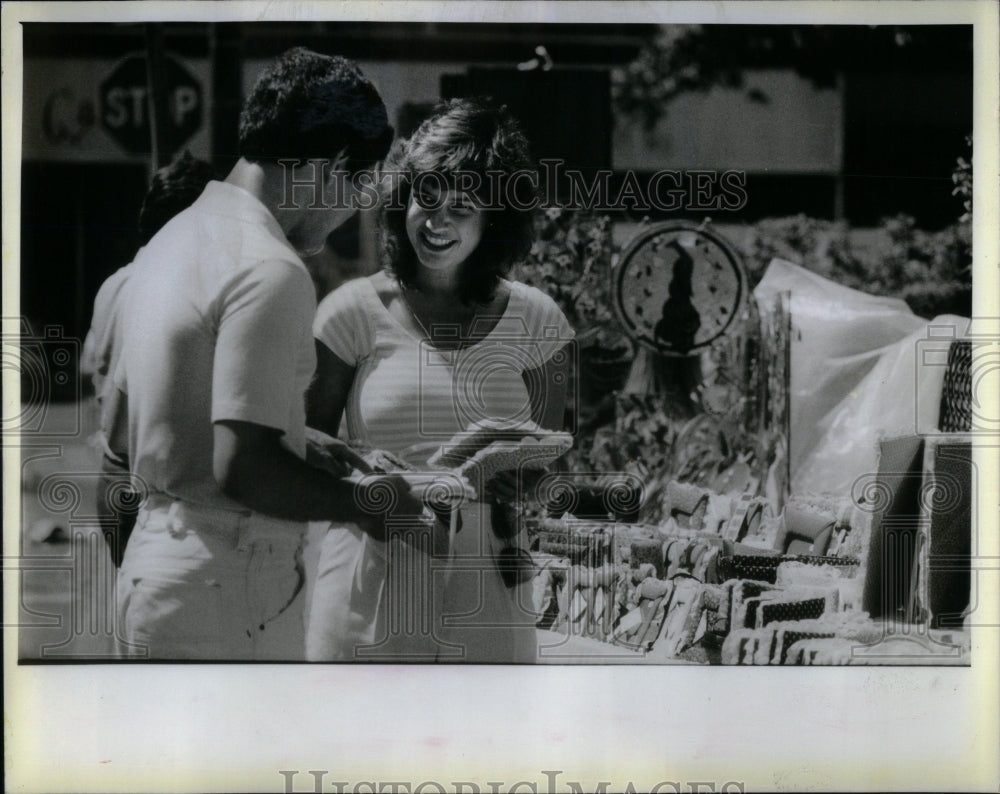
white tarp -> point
(861, 367)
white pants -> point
(391, 602)
(206, 583)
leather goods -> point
(787, 637)
(805, 530)
(748, 513)
(687, 504)
(808, 609)
(647, 551)
(682, 618)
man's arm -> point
(252, 467)
(116, 510)
(114, 419)
(265, 320)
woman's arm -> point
(547, 391)
(325, 403)
(327, 395)
(547, 395)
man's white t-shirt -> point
(100, 347)
(218, 326)
(101, 351)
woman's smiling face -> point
(444, 226)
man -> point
(218, 356)
(173, 188)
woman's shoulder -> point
(346, 319)
(384, 285)
(354, 291)
(346, 300)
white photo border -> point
(237, 727)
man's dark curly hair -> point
(312, 106)
(468, 136)
(174, 188)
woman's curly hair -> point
(312, 106)
(477, 138)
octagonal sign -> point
(125, 106)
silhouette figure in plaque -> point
(680, 320)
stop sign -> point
(125, 106)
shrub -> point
(931, 271)
(571, 262)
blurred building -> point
(871, 142)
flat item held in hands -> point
(437, 489)
(440, 490)
(488, 448)
(385, 462)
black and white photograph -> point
(518, 361)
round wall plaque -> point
(678, 288)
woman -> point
(437, 342)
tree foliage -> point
(682, 58)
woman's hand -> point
(504, 486)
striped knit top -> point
(408, 397)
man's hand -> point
(332, 454)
